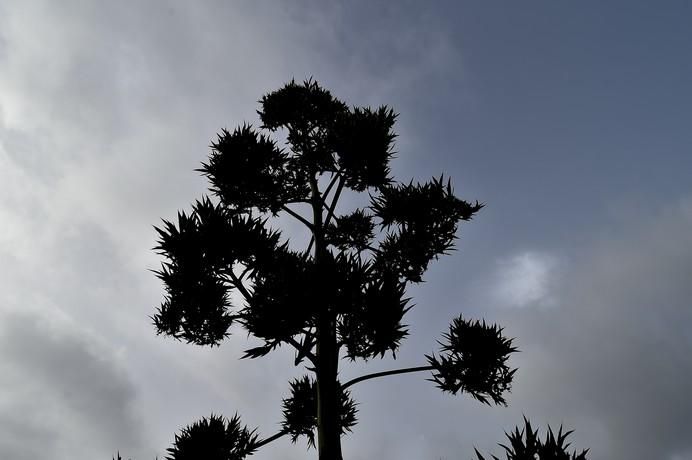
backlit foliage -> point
(224, 265)
(525, 444)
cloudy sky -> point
(571, 120)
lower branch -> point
(266, 441)
(385, 373)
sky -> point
(570, 120)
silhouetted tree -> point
(341, 296)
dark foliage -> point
(201, 253)
(425, 218)
(300, 410)
(281, 303)
(346, 290)
(213, 438)
(351, 232)
(309, 113)
(374, 326)
(196, 307)
(247, 170)
(527, 445)
(474, 360)
(363, 140)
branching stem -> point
(245, 272)
(302, 351)
(337, 175)
(266, 441)
(312, 241)
(385, 373)
(239, 285)
(332, 206)
(297, 216)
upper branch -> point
(238, 284)
(307, 223)
(336, 177)
(332, 206)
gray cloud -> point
(64, 394)
(613, 355)
(105, 110)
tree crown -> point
(225, 265)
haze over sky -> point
(571, 120)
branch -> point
(302, 351)
(245, 272)
(239, 285)
(331, 184)
(297, 216)
(330, 212)
(312, 241)
(318, 225)
(385, 373)
(266, 441)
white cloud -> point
(525, 280)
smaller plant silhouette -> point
(525, 444)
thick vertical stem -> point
(328, 430)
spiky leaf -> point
(363, 139)
(525, 444)
(424, 220)
(300, 410)
(213, 438)
(247, 170)
(374, 326)
(473, 359)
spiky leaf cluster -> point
(328, 136)
(247, 170)
(424, 219)
(473, 359)
(350, 275)
(300, 410)
(213, 438)
(201, 251)
(354, 231)
(196, 306)
(363, 139)
(525, 444)
(374, 326)
(296, 106)
(282, 301)
(309, 113)
(363, 282)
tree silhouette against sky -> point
(343, 295)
